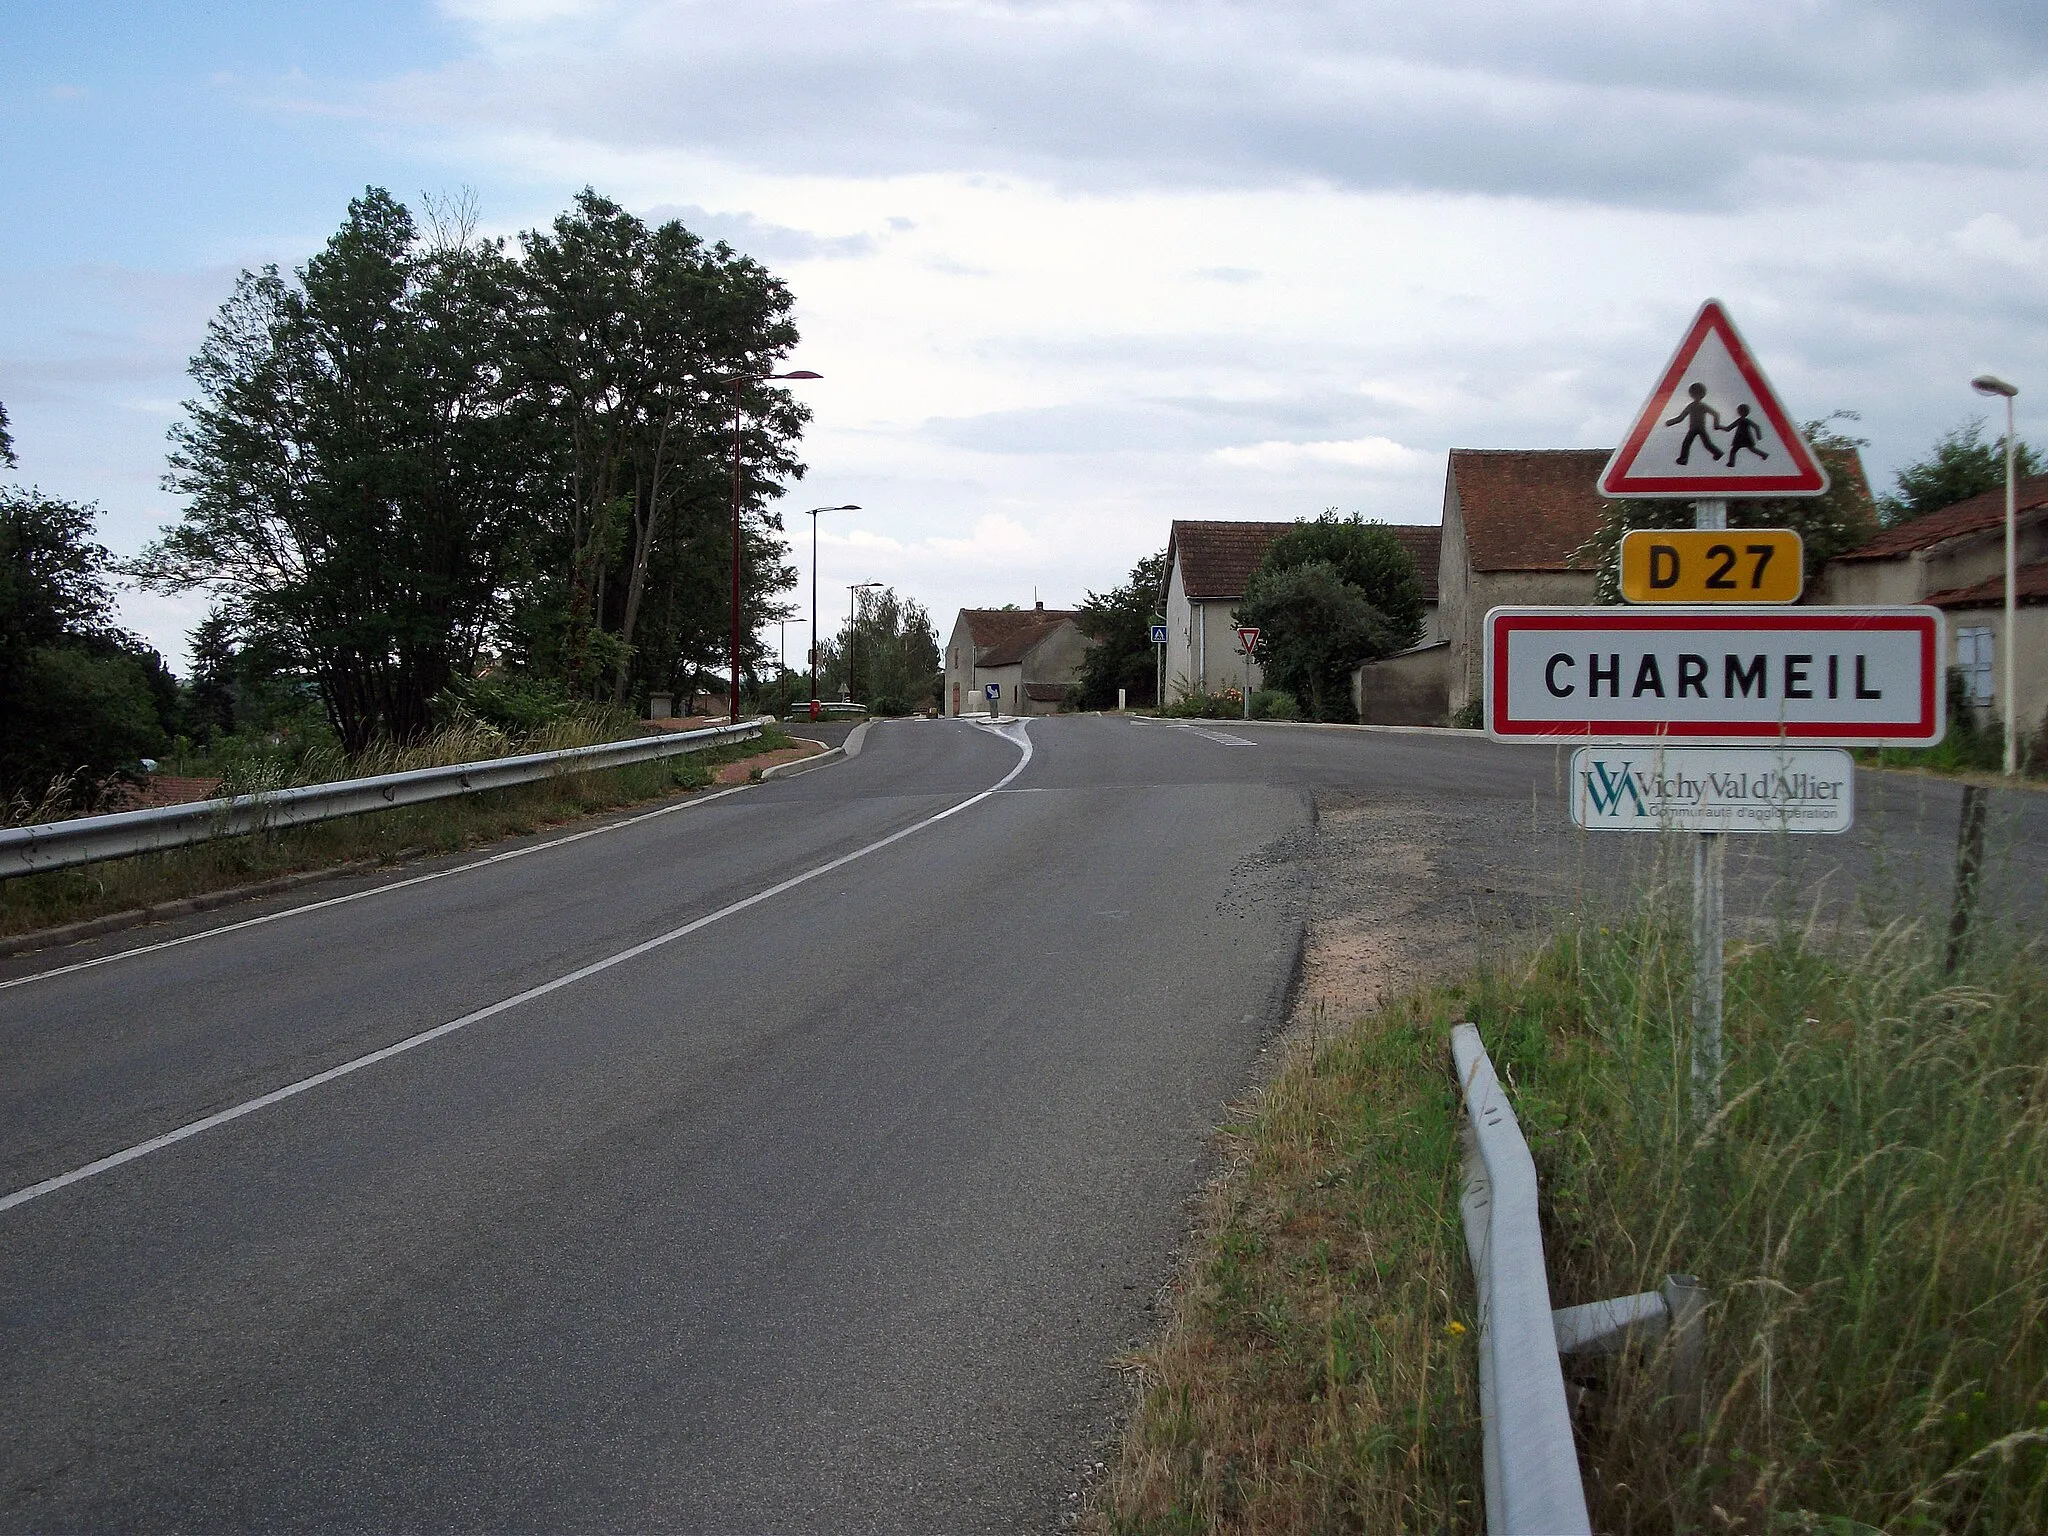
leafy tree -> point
(1830, 524)
(1960, 465)
(1329, 594)
(895, 655)
(632, 343)
(354, 468)
(1314, 627)
(6, 442)
(1364, 554)
(79, 695)
(1120, 622)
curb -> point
(114, 922)
(802, 764)
(1325, 725)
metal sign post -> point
(1247, 640)
(1159, 666)
(1709, 861)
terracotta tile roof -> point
(2029, 586)
(1976, 515)
(1002, 635)
(1424, 541)
(1217, 559)
(1528, 509)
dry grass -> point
(1869, 1212)
(1317, 1371)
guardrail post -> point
(1685, 1301)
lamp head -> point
(801, 373)
(1991, 384)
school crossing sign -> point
(1713, 427)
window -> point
(1973, 660)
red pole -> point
(733, 696)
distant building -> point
(1207, 567)
(1514, 521)
(1031, 655)
(1954, 559)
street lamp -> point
(853, 592)
(782, 623)
(736, 384)
(813, 515)
(1990, 384)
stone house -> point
(1954, 560)
(1031, 655)
(1514, 521)
(1207, 567)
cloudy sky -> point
(1072, 270)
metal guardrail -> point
(1532, 1466)
(85, 839)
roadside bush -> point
(515, 703)
(1197, 705)
(1274, 704)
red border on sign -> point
(1619, 479)
(1928, 627)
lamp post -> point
(782, 655)
(813, 516)
(736, 385)
(853, 592)
(1991, 384)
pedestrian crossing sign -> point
(1712, 427)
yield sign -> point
(1247, 637)
(1713, 427)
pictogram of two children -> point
(1743, 432)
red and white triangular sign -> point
(1713, 427)
(1248, 637)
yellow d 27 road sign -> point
(1717, 565)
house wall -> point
(1055, 659)
(1009, 679)
(1411, 688)
(1454, 600)
(1961, 562)
(2030, 679)
(963, 693)
(1180, 629)
(1225, 666)
(1486, 590)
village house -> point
(1207, 567)
(1030, 655)
(1954, 560)
(1514, 522)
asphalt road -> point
(793, 1160)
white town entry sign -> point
(1810, 676)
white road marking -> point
(378, 890)
(1222, 738)
(426, 1036)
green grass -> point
(1869, 1211)
(439, 826)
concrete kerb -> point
(1318, 725)
(855, 738)
(803, 764)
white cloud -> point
(1367, 453)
